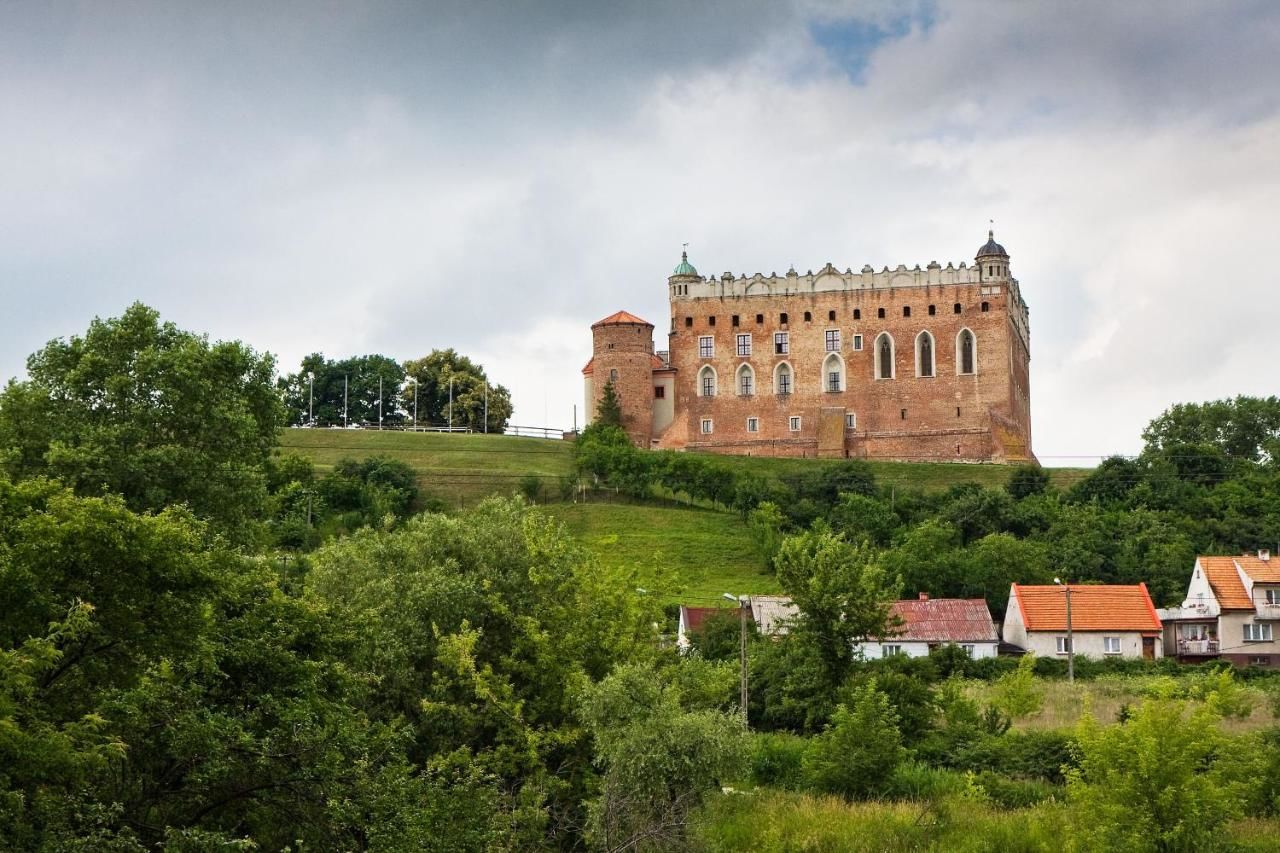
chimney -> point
(1264, 555)
(924, 596)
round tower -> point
(992, 260)
(622, 354)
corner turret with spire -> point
(992, 260)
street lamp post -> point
(345, 381)
(1071, 643)
(415, 403)
(450, 404)
(742, 603)
(311, 399)
(379, 402)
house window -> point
(1257, 632)
(969, 649)
(782, 380)
(613, 375)
(706, 346)
(1272, 596)
(1063, 645)
(707, 382)
(857, 313)
(892, 650)
(986, 306)
(746, 380)
(659, 392)
(1111, 645)
(850, 421)
(932, 310)
(903, 412)
(833, 340)
(793, 423)
(706, 426)
(780, 343)
(833, 380)
(906, 310)
(1260, 660)
(955, 309)
(753, 424)
(857, 343)
(744, 345)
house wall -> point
(875, 651)
(1088, 643)
(664, 410)
(948, 416)
(1231, 637)
(1012, 630)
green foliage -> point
(777, 760)
(1153, 783)
(859, 517)
(1017, 693)
(142, 409)
(1027, 480)
(720, 636)
(433, 373)
(765, 523)
(609, 409)
(1246, 428)
(857, 754)
(531, 487)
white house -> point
(1232, 611)
(931, 622)
(1106, 620)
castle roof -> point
(991, 247)
(684, 267)
(622, 318)
(655, 362)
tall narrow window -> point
(711, 321)
(746, 380)
(706, 346)
(833, 371)
(884, 356)
(753, 424)
(734, 321)
(965, 354)
(924, 354)
(906, 310)
(955, 309)
(831, 315)
(857, 343)
(782, 379)
(880, 313)
(706, 426)
(933, 309)
(707, 382)
(850, 421)
(783, 319)
(857, 313)
(793, 423)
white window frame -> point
(745, 372)
(708, 426)
(1108, 643)
(970, 649)
(1260, 660)
(791, 378)
(753, 424)
(876, 360)
(959, 355)
(793, 423)
(1063, 646)
(933, 356)
(708, 371)
(706, 346)
(850, 420)
(744, 345)
(857, 343)
(1271, 596)
(833, 363)
(890, 650)
(1257, 632)
(831, 340)
(781, 343)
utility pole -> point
(345, 378)
(1071, 643)
(311, 399)
(379, 402)
(486, 405)
(743, 603)
(415, 403)
(450, 403)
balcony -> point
(1268, 611)
(1197, 647)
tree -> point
(609, 409)
(1017, 693)
(350, 387)
(145, 410)
(859, 517)
(1246, 428)
(1027, 480)
(434, 372)
(842, 594)
(857, 754)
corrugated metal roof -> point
(771, 612)
(945, 620)
(1100, 607)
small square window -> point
(892, 650)
(706, 346)
(1063, 645)
(688, 322)
(969, 649)
(880, 313)
(955, 309)
(753, 424)
(932, 310)
(759, 319)
(857, 343)
(808, 317)
(706, 426)
(831, 315)
(850, 421)
(781, 345)
(744, 345)
(734, 321)
(986, 306)
(782, 318)
(1111, 645)
(659, 392)
(857, 313)
(833, 340)
(906, 310)
(793, 423)
(711, 321)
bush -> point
(1014, 793)
(531, 487)
(857, 754)
(1017, 693)
(777, 761)
(913, 780)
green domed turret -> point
(685, 268)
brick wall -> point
(627, 349)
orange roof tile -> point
(1093, 608)
(586, 368)
(1224, 577)
(619, 318)
(654, 362)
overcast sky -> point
(397, 177)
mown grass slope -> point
(686, 555)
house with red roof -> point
(1232, 611)
(927, 623)
(1106, 620)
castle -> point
(919, 364)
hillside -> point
(461, 469)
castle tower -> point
(992, 260)
(622, 353)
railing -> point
(1268, 611)
(1197, 647)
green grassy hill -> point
(461, 469)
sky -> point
(376, 177)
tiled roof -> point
(1223, 574)
(654, 362)
(694, 617)
(619, 318)
(945, 620)
(586, 368)
(1093, 608)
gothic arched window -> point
(746, 380)
(782, 379)
(884, 356)
(707, 381)
(965, 351)
(924, 354)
